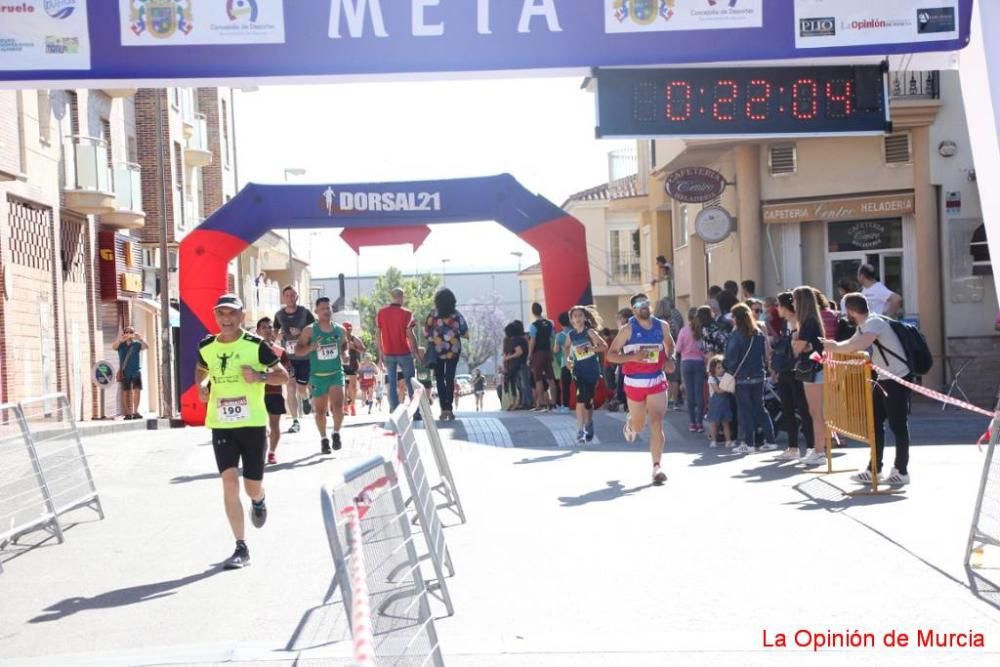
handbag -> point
(727, 382)
(120, 375)
(805, 369)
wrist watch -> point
(263, 376)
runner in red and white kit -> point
(645, 347)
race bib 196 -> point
(233, 410)
(328, 352)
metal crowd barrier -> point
(985, 528)
(849, 408)
(422, 497)
(45, 472)
(366, 521)
(446, 487)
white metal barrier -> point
(446, 486)
(985, 528)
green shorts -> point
(320, 385)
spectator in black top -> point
(515, 355)
(749, 289)
(727, 300)
(806, 341)
(540, 345)
(732, 287)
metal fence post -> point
(974, 533)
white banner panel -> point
(628, 16)
(44, 35)
(832, 23)
(182, 22)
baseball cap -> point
(229, 301)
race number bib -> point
(233, 410)
(584, 351)
(650, 353)
(328, 352)
(290, 346)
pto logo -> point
(389, 202)
(160, 18)
(242, 10)
(59, 9)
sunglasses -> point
(641, 304)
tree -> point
(419, 298)
(486, 322)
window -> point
(897, 148)
(73, 110)
(224, 113)
(44, 117)
(178, 185)
(175, 98)
(781, 159)
(980, 250)
(624, 247)
(681, 229)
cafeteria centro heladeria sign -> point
(220, 42)
(695, 185)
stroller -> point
(772, 403)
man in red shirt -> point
(397, 343)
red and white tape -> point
(936, 395)
(361, 612)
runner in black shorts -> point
(290, 322)
(274, 401)
(355, 348)
(233, 369)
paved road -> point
(569, 557)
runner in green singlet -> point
(325, 342)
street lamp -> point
(294, 171)
(520, 286)
(444, 261)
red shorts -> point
(367, 385)
(639, 389)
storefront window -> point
(981, 265)
(865, 235)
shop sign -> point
(695, 185)
(131, 282)
(854, 208)
(713, 224)
(120, 272)
(865, 235)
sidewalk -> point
(569, 557)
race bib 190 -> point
(233, 410)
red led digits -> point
(725, 95)
(805, 105)
(758, 99)
(679, 101)
(839, 104)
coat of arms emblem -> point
(160, 18)
(644, 12)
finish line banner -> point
(151, 41)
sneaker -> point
(581, 437)
(767, 447)
(712, 444)
(239, 559)
(294, 428)
(307, 407)
(324, 446)
(671, 405)
(895, 478)
(699, 428)
(730, 444)
(538, 409)
(814, 459)
(788, 455)
(692, 428)
(743, 448)
(659, 477)
(271, 460)
(336, 441)
(258, 513)
(630, 435)
(863, 477)
(589, 431)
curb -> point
(109, 427)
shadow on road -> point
(122, 596)
(304, 462)
(547, 459)
(986, 590)
(614, 490)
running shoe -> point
(712, 444)
(692, 428)
(258, 513)
(581, 437)
(768, 447)
(630, 435)
(743, 448)
(294, 428)
(814, 459)
(239, 559)
(895, 478)
(788, 455)
(589, 431)
(699, 428)
(306, 406)
(336, 441)
(659, 477)
(324, 446)
(863, 477)
(731, 444)
(271, 460)
(538, 409)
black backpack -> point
(845, 328)
(918, 355)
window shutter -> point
(897, 148)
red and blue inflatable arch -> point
(205, 253)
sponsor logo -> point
(242, 10)
(644, 12)
(160, 18)
(61, 45)
(23, 8)
(818, 27)
(360, 202)
(59, 9)
(875, 24)
(936, 19)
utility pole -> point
(166, 335)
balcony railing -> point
(628, 174)
(626, 268)
(87, 166)
(915, 84)
(199, 137)
(128, 186)
(191, 216)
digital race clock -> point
(735, 101)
